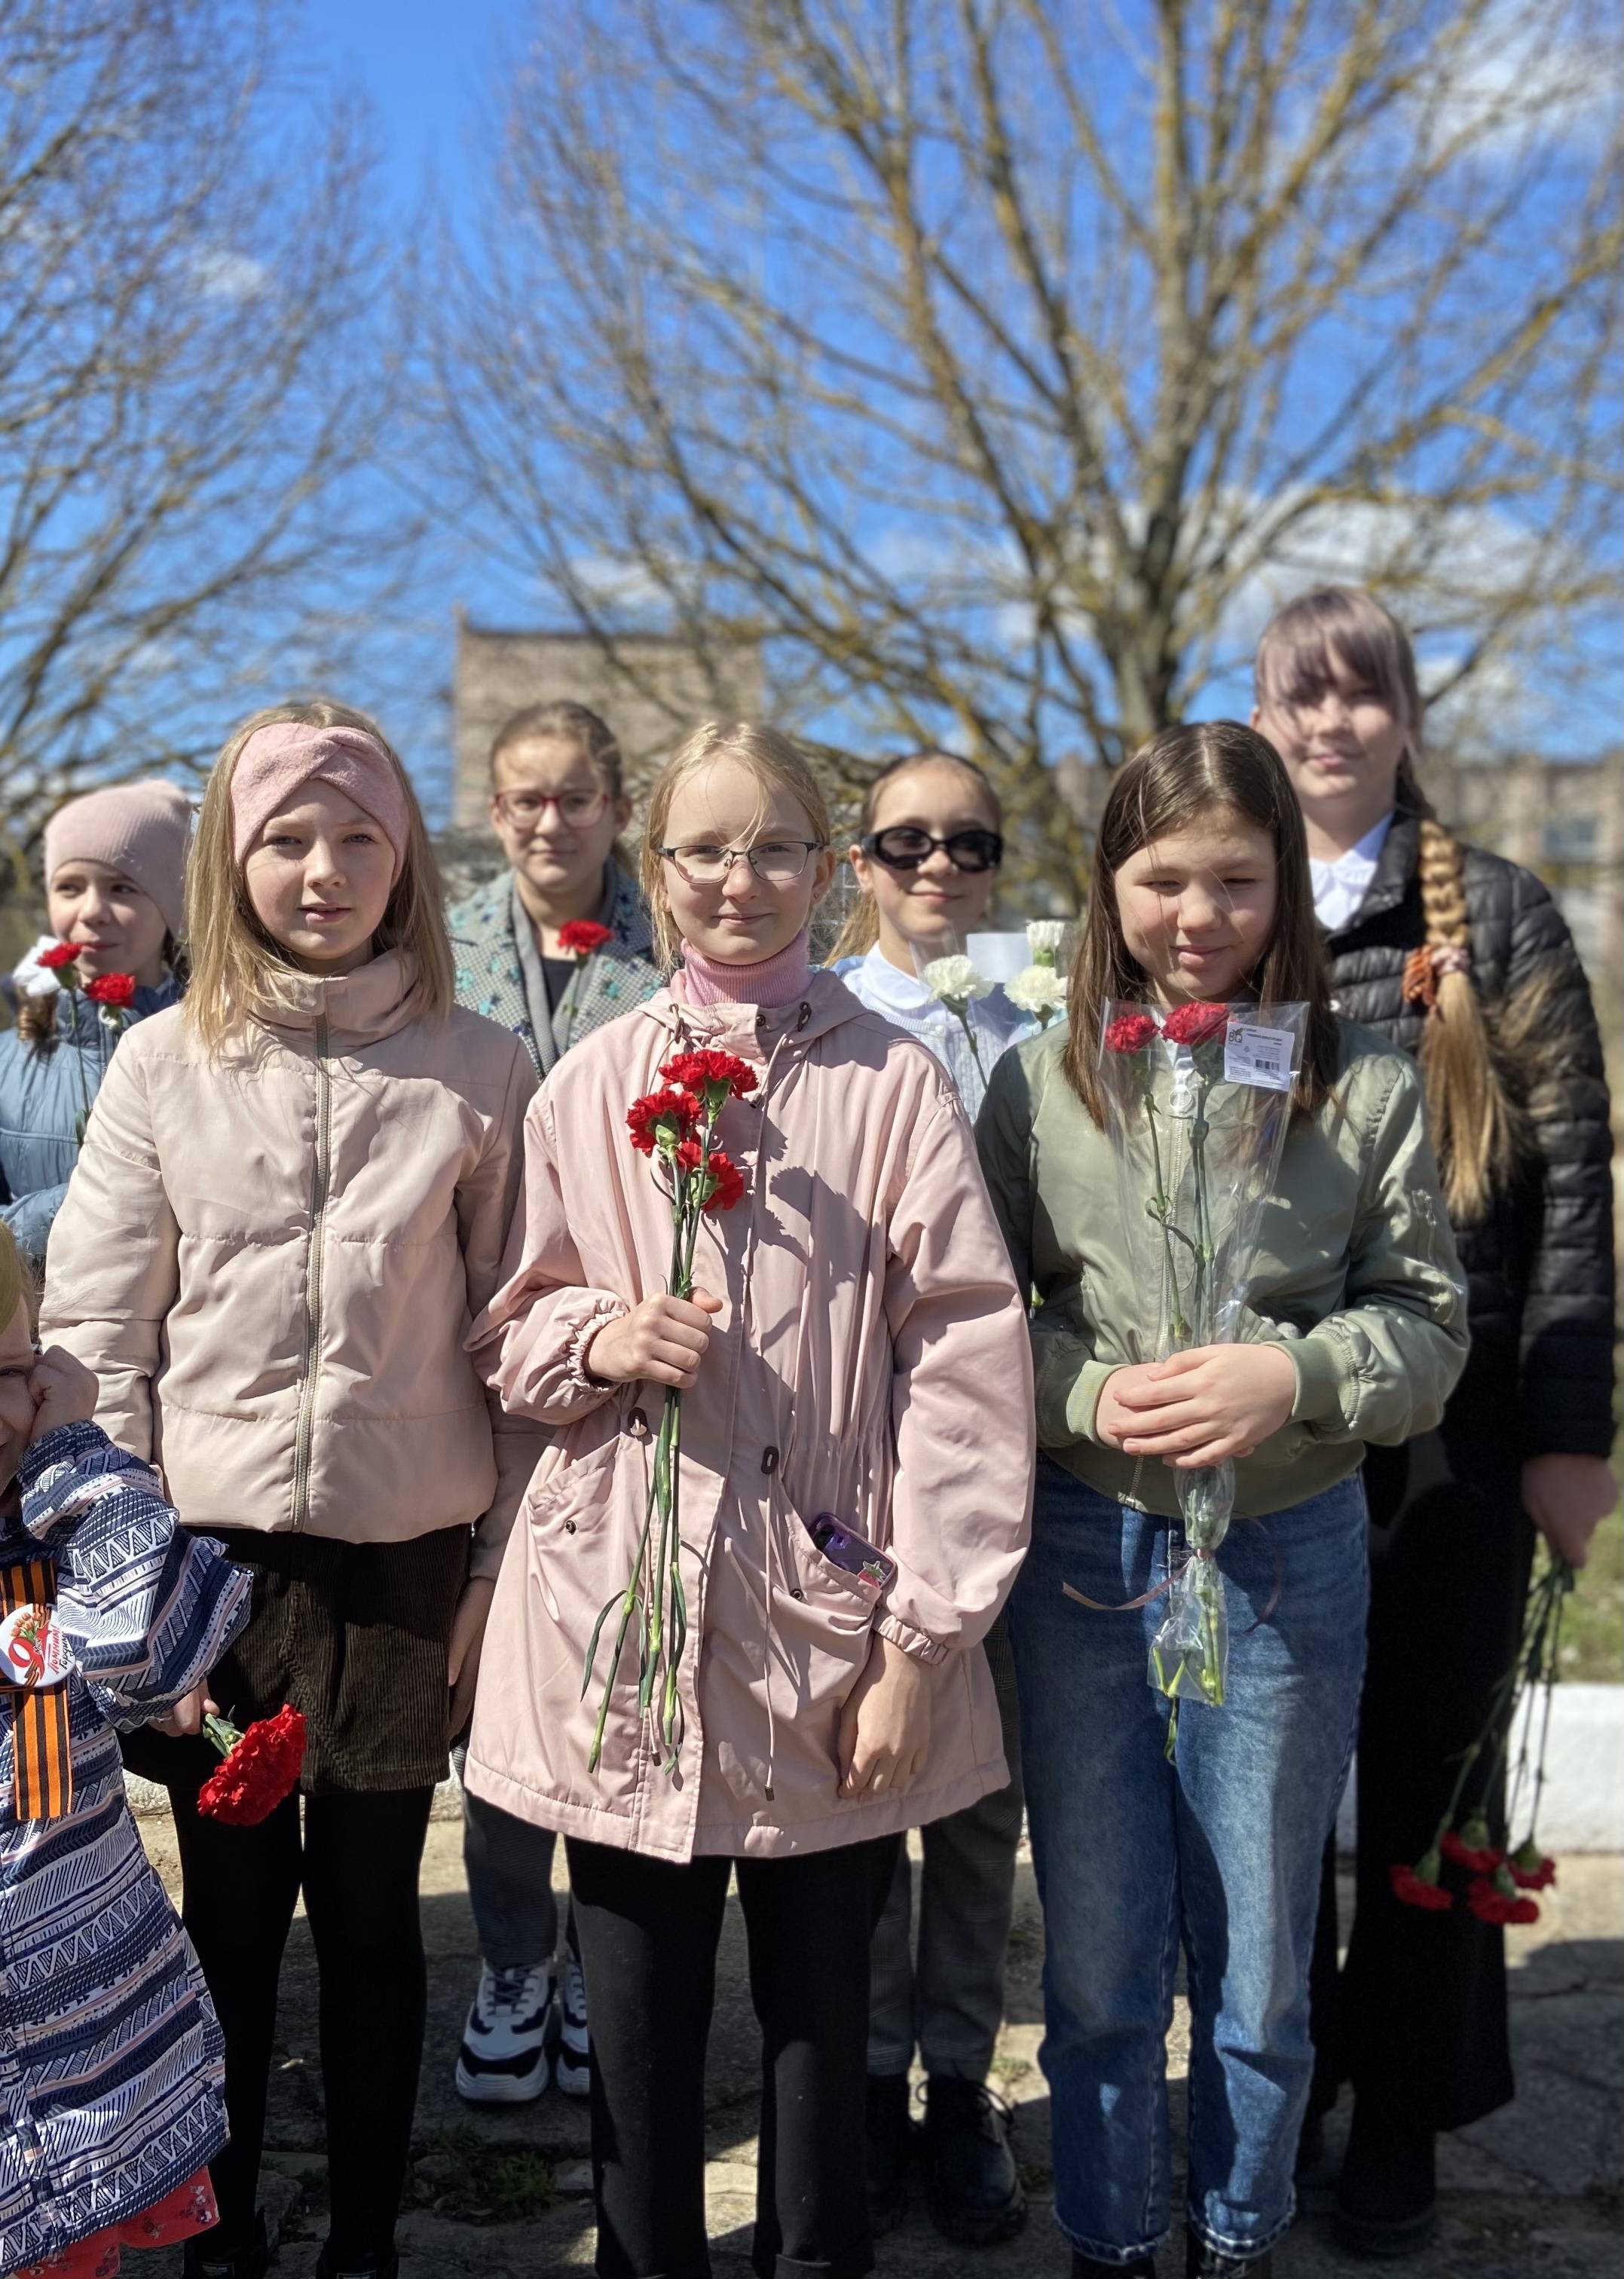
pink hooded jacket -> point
(871, 1360)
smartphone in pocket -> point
(852, 1553)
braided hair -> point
(1478, 1125)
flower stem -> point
(962, 1010)
(1180, 1327)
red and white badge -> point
(32, 1652)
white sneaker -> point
(572, 2067)
(504, 2057)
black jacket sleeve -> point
(1567, 1321)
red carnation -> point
(1195, 1024)
(262, 1767)
(725, 1181)
(582, 937)
(112, 989)
(1492, 1902)
(697, 1071)
(1471, 1847)
(661, 1119)
(59, 954)
(1529, 1868)
(1130, 1033)
(1418, 1886)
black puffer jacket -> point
(1540, 1270)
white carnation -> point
(1037, 989)
(32, 978)
(955, 981)
(1045, 934)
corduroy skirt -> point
(354, 1635)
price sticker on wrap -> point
(1258, 1055)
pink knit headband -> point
(276, 760)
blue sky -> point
(423, 65)
(424, 68)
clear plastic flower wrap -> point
(1199, 1097)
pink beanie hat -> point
(277, 759)
(140, 829)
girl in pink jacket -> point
(854, 1346)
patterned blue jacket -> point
(499, 974)
(110, 2083)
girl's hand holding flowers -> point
(662, 1341)
(884, 1732)
(1567, 1497)
(184, 1721)
(1198, 1407)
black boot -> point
(384, 2264)
(1204, 2262)
(891, 2150)
(201, 2259)
(1387, 2195)
(975, 2193)
(1084, 2267)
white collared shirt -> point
(1339, 887)
(903, 998)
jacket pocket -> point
(824, 1580)
(824, 1619)
(574, 1487)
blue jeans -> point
(1219, 1849)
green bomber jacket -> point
(1354, 1273)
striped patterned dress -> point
(109, 2051)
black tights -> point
(357, 1861)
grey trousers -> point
(949, 1999)
(509, 1863)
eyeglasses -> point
(576, 809)
(904, 847)
(776, 862)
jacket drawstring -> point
(771, 1461)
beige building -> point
(1564, 821)
(650, 688)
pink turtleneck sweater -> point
(777, 980)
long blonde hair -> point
(777, 762)
(860, 930)
(1479, 1127)
(237, 968)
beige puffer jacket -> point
(871, 1360)
(271, 1261)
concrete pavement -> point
(1535, 2188)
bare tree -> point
(191, 380)
(985, 360)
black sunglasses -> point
(904, 847)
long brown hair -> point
(1217, 766)
(236, 966)
(860, 930)
(1479, 1127)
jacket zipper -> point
(319, 1173)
